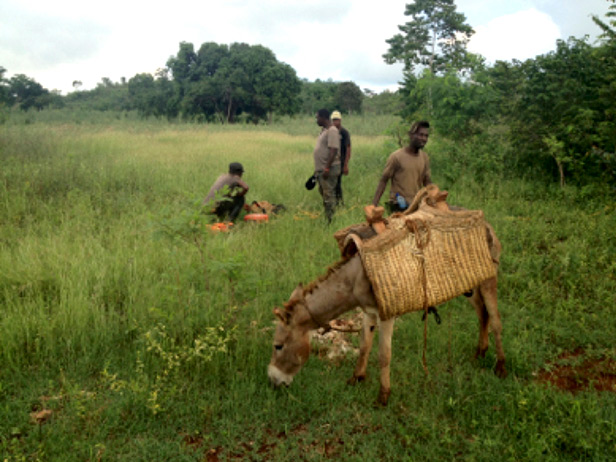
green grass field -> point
(128, 332)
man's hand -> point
(326, 174)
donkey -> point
(345, 287)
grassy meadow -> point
(128, 332)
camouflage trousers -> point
(327, 188)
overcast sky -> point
(60, 41)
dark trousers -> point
(338, 190)
(392, 207)
(229, 208)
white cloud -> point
(61, 41)
(522, 35)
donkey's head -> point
(291, 346)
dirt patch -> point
(576, 371)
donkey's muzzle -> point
(277, 377)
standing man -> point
(345, 153)
(229, 206)
(408, 169)
(327, 162)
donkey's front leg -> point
(385, 332)
(365, 346)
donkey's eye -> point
(278, 347)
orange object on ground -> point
(256, 217)
(221, 227)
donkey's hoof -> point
(480, 352)
(500, 370)
(383, 397)
(356, 379)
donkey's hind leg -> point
(386, 330)
(489, 305)
(366, 337)
(476, 300)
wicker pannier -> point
(425, 259)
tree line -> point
(216, 83)
(550, 116)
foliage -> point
(25, 92)
(557, 111)
(435, 38)
(562, 101)
(153, 97)
(345, 97)
(106, 96)
(4, 88)
(318, 95)
(386, 102)
(221, 82)
(348, 98)
(162, 362)
(457, 107)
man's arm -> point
(330, 159)
(242, 188)
(388, 173)
(345, 168)
(427, 174)
(380, 189)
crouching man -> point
(234, 189)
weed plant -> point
(129, 331)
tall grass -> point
(301, 124)
(147, 337)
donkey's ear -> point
(280, 314)
(298, 294)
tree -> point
(223, 82)
(4, 88)
(386, 102)
(281, 97)
(560, 115)
(317, 95)
(348, 97)
(183, 65)
(106, 96)
(434, 38)
(27, 93)
(607, 92)
(609, 27)
(432, 43)
(152, 96)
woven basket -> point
(361, 230)
(426, 259)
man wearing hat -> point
(345, 153)
(228, 207)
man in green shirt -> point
(327, 161)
